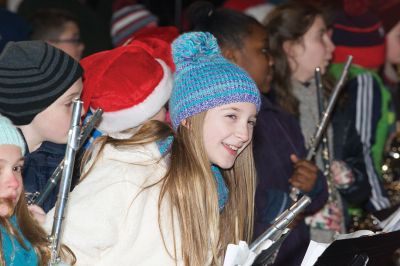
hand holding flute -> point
(275, 231)
(324, 121)
(305, 174)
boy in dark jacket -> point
(45, 81)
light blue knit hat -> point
(204, 79)
(9, 134)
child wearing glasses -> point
(59, 28)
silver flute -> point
(38, 198)
(69, 160)
(321, 106)
(275, 231)
(323, 124)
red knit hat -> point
(130, 83)
(357, 32)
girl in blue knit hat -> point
(211, 177)
(278, 141)
(22, 240)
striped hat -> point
(360, 35)
(33, 74)
(204, 79)
(127, 20)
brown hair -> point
(190, 186)
(49, 23)
(33, 232)
(289, 22)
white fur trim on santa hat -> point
(260, 11)
(134, 116)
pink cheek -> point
(19, 181)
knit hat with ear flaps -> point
(33, 74)
(204, 79)
(10, 134)
(130, 83)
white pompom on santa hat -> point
(130, 83)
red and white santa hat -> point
(130, 83)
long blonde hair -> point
(191, 188)
(30, 229)
(149, 132)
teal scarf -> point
(14, 253)
(165, 145)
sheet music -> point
(314, 250)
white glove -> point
(241, 254)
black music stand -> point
(365, 250)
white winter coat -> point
(110, 220)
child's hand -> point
(342, 175)
(37, 213)
(305, 174)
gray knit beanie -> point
(10, 135)
(33, 74)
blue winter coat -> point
(38, 168)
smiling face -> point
(227, 130)
(313, 50)
(11, 163)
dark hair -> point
(49, 23)
(228, 26)
(288, 22)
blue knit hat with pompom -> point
(204, 79)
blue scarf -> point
(164, 147)
(93, 135)
(14, 253)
